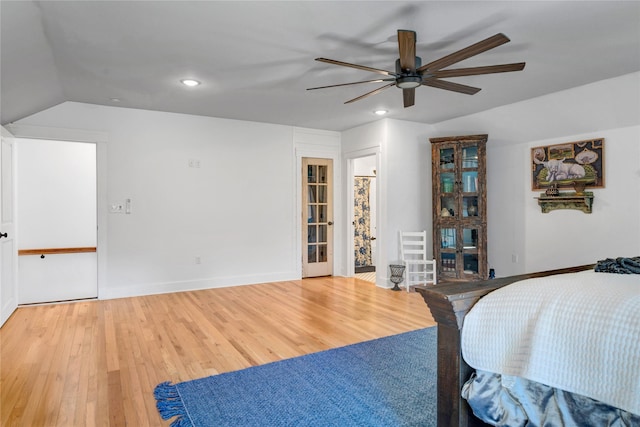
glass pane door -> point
(317, 213)
(317, 240)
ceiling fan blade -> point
(409, 97)
(407, 49)
(467, 52)
(359, 67)
(373, 92)
(354, 83)
(473, 71)
(455, 87)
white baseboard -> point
(112, 292)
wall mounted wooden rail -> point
(52, 251)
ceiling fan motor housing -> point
(406, 79)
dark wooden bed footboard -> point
(449, 303)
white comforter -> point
(579, 332)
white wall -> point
(236, 212)
(50, 218)
(366, 140)
(404, 181)
(567, 237)
(320, 144)
(522, 239)
(607, 104)
(409, 181)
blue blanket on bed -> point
(619, 265)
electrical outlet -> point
(194, 163)
(514, 258)
(198, 260)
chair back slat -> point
(413, 252)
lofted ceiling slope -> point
(256, 59)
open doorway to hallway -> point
(364, 217)
(56, 197)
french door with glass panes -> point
(317, 217)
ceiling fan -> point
(410, 73)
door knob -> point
(3, 235)
(330, 223)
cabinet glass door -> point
(470, 250)
(470, 156)
(469, 205)
(469, 180)
(448, 243)
(447, 198)
(447, 158)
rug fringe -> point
(169, 404)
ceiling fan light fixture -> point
(408, 82)
(190, 82)
(410, 73)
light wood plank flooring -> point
(96, 363)
(369, 277)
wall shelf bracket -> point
(582, 202)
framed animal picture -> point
(567, 165)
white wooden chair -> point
(413, 250)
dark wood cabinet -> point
(459, 207)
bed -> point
(450, 303)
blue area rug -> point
(389, 381)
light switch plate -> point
(116, 208)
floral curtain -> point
(362, 236)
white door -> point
(317, 217)
(57, 220)
(8, 290)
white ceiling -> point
(256, 59)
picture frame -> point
(568, 164)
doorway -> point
(365, 217)
(317, 217)
(57, 220)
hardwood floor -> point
(96, 363)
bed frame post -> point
(449, 303)
(450, 359)
(453, 372)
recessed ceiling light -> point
(114, 99)
(380, 112)
(190, 82)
